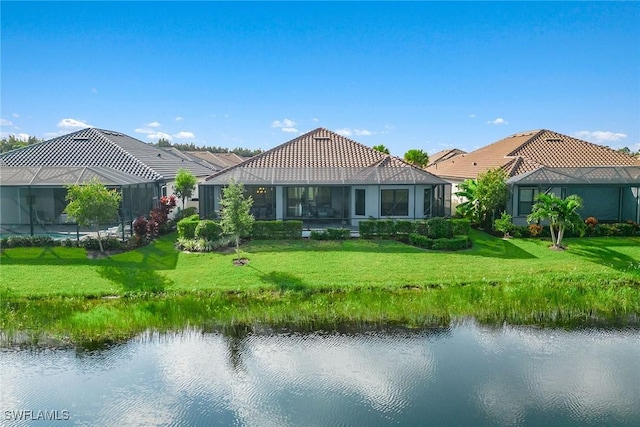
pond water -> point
(463, 375)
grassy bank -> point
(62, 293)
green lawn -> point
(310, 265)
(59, 292)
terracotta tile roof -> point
(104, 148)
(323, 156)
(527, 151)
(218, 160)
(443, 155)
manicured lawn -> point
(309, 265)
(58, 292)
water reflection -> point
(465, 375)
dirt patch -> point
(96, 254)
(240, 262)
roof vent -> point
(80, 138)
(553, 140)
(322, 138)
(475, 164)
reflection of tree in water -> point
(235, 338)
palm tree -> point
(416, 157)
(469, 208)
(381, 148)
(561, 213)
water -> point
(464, 375)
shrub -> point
(185, 213)
(108, 243)
(504, 224)
(460, 227)
(187, 226)
(438, 228)
(385, 228)
(27, 241)
(276, 230)
(535, 230)
(420, 241)
(331, 234)
(405, 227)
(140, 227)
(422, 227)
(367, 229)
(208, 230)
(591, 221)
(454, 244)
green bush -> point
(108, 243)
(405, 227)
(460, 227)
(422, 227)
(276, 230)
(438, 228)
(27, 241)
(420, 241)
(456, 243)
(185, 213)
(331, 234)
(385, 228)
(187, 227)
(367, 229)
(208, 230)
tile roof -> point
(323, 157)
(218, 160)
(443, 155)
(65, 175)
(528, 151)
(583, 175)
(104, 148)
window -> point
(526, 199)
(360, 201)
(428, 203)
(394, 202)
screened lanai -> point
(33, 199)
(609, 193)
(333, 195)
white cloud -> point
(144, 130)
(158, 135)
(22, 136)
(287, 125)
(356, 132)
(5, 122)
(498, 121)
(179, 118)
(184, 135)
(153, 125)
(600, 136)
(15, 115)
(472, 116)
(73, 124)
(315, 119)
(289, 130)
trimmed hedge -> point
(187, 227)
(442, 244)
(331, 234)
(208, 230)
(27, 241)
(460, 227)
(276, 230)
(439, 228)
(434, 228)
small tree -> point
(381, 148)
(185, 185)
(484, 196)
(561, 214)
(504, 224)
(416, 157)
(235, 216)
(92, 204)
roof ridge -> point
(525, 143)
(103, 135)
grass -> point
(60, 292)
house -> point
(218, 161)
(33, 179)
(324, 178)
(443, 155)
(543, 161)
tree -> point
(92, 204)
(236, 219)
(163, 142)
(561, 214)
(484, 196)
(185, 185)
(381, 148)
(416, 157)
(13, 142)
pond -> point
(465, 374)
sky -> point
(425, 75)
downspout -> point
(30, 210)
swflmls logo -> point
(28, 415)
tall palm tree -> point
(561, 214)
(381, 148)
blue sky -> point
(425, 75)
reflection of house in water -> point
(327, 179)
